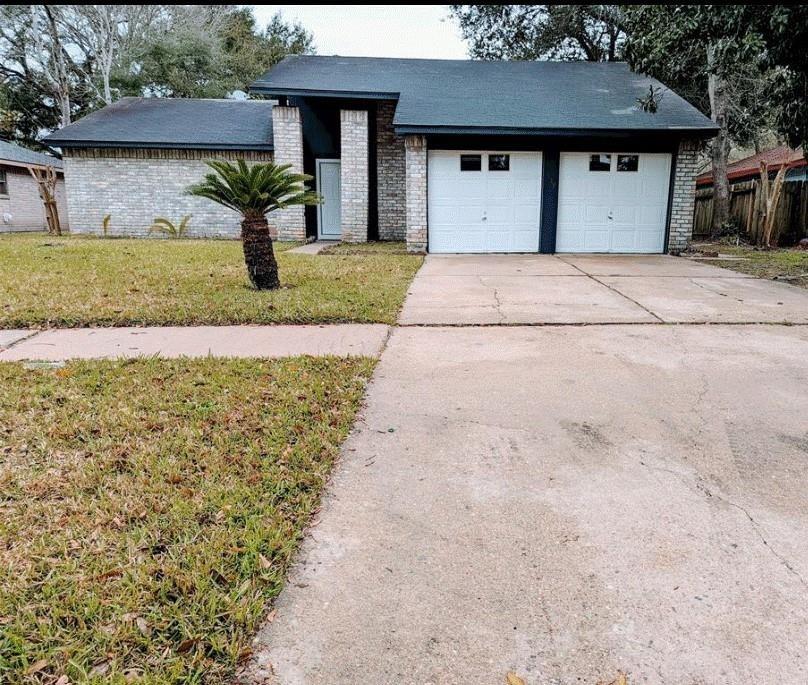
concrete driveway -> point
(565, 502)
(549, 289)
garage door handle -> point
(610, 216)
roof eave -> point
(404, 129)
(267, 89)
(32, 165)
(72, 143)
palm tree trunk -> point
(258, 253)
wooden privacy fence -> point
(791, 217)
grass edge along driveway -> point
(149, 509)
(77, 281)
(778, 263)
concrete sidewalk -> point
(193, 341)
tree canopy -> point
(566, 32)
(59, 62)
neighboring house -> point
(21, 208)
(451, 156)
(133, 160)
(748, 168)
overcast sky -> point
(375, 30)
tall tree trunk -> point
(720, 150)
(258, 253)
(60, 75)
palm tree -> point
(255, 191)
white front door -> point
(328, 211)
(612, 202)
(483, 201)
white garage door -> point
(484, 201)
(612, 202)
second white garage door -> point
(483, 201)
(612, 202)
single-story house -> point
(133, 160)
(748, 168)
(449, 155)
(21, 208)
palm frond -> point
(254, 189)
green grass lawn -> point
(149, 509)
(762, 263)
(82, 281)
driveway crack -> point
(614, 290)
(31, 334)
(498, 305)
(704, 491)
(711, 290)
(758, 529)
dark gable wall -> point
(321, 140)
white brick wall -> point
(391, 185)
(136, 186)
(684, 195)
(354, 175)
(287, 134)
(24, 204)
(415, 147)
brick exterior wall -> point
(391, 186)
(136, 185)
(21, 208)
(684, 195)
(287, 134)
(415, 147)
(354, 175)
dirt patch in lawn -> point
(788, 265)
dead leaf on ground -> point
(142, 626)
(513, 679)
(36, 667)
(185, 645)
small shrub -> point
(730, 230)
(105, 225)
(166, 227)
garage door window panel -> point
(628, 162)
(600, 163)
(471, 162)
(499, 162)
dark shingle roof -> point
(9, 152)
(520, 97)
(173, 123)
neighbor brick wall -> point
(415, 147)
(354, 175)
(684, 195)
(135, 185)
(23, 206)
(391, 185)
(287, 134)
